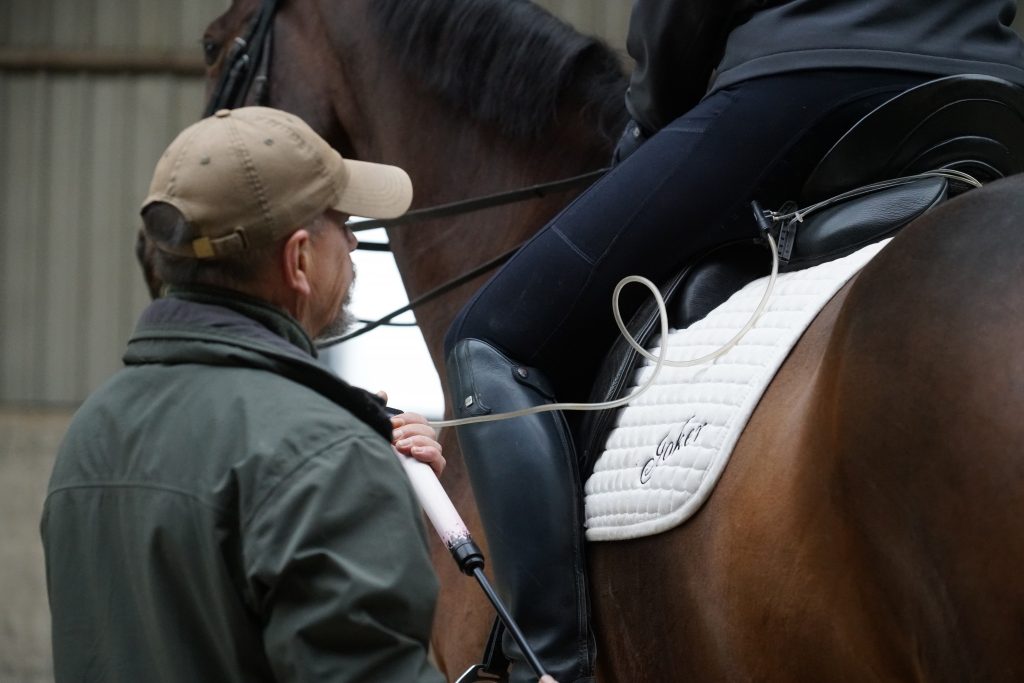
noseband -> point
(245, 74)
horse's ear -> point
(144, 255)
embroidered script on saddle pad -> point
(669, 447)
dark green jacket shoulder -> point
(225, 508)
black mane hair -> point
(506, 63)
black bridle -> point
(247, 65)
(244, 80)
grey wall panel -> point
(106, 238)
(73, 24)
(65, 172)
(607, 19)
(31, 23)
(23, 217)
(76, 154)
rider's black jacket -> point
(687, 48)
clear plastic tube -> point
(660, 360)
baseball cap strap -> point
(219, 247)
(208, 247)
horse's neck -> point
(451, 160)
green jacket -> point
(225, 509)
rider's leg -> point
(524, 471)
(676, 196)
(686, 190)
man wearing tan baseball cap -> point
(246, 177)
(225, 508)
(231, 188)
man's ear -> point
(296, 263)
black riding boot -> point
(525, 481)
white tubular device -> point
(436, 504)
(455, 536)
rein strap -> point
(420, 300)
(478, 203)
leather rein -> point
(245, 80)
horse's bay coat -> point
(242, 517)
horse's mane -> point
(507, 63)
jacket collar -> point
(215, 327)
(274, 319)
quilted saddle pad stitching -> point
(674, 491)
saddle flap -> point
(690, 295)
(857, 222)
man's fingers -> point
(414, 429)
(417, 441)
(432, 457)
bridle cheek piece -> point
(245, 75)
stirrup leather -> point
(495, 665)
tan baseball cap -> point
(246, 177)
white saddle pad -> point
(669, 446)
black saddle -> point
(970, 123)
(870, 185)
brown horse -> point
(869, 526)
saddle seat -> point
(968, 123)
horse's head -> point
(470, 97)
(303, 72)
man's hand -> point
(414, 437)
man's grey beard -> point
(344, 318)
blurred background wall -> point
(91, 91)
